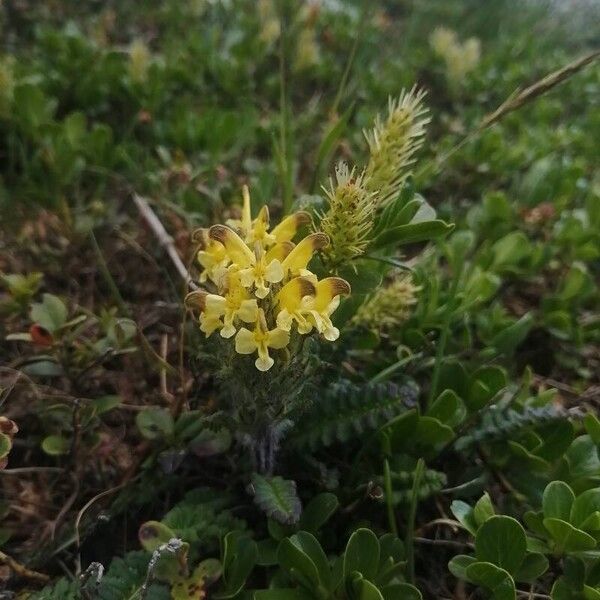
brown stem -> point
(21, 570)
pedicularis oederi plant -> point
(269, 294)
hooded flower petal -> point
(212, 256)
(293, 299)
(237, 250)
(287, 229)
(279, 251)
(297, 260)
(325, 302)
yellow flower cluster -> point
(389, 306)
(460, 57)
(262, 278)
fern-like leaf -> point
(277, 497)
(346, 410)
(498, 423)
(202, 519)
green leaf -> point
(155, 423)
(568, 538)
(412, 233)
(401, 591)
(484, 509)
(211, 443)
(592, 426)
(277, 497)
(362, 554)
(535, 522)
(557, 500)
(584, 506)
(239, 557)
(401, 428)
(51, 313)
(557, 439)
(582, 458)
(486, 382)
(496, 580)
(105, 403)
(534, 565)
(207, 572)
(318, 511)
(459, 564)
(43, 368)
(282, 594)
(309, 544)
(153, 534)
(511, 250)
(5, 445)
(464, 513)
(432, 433)
(298, 565)
(365, 590)
(590, 593)
(448, 408)
(501, 541)
(510, 337)
(55, 445)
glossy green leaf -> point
(412, 233)
(496, 580)
(362, 554)
(464, 513)
(501, 541)
(584, 506)
(483, 509)
(557, 500)
(568, 538)
(318, 511)
(401, 591)
(533, 566)
(458, 565)
(448, 408)
(239, 558)
(298, 565)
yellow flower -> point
(259, 231)
(212, 257)
(256, 268)
(260, 340)
(244, 224)
(324, 303)
(297, 260)
(287, 229)
(293, 301)
(256, 230)
(221, 312)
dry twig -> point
(21, 570)
(164, 239)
